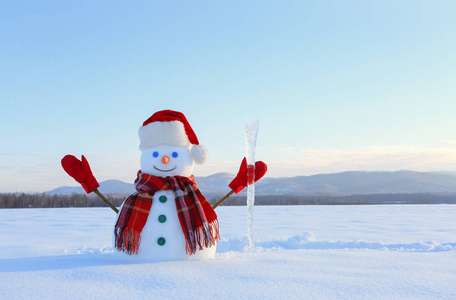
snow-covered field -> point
(303, 252)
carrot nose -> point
(165, 159)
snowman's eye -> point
(155, 154)
(175, 154)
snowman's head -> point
(166, 160)
(164, 135)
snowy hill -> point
(345, 183)
(358, 182)
(108, 187)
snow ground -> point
(303, 252)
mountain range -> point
(345, 183)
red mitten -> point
(243, 176)
(80, 171)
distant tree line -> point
(23, 200)
(361, 199)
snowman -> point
(167, 218)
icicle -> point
(251, 133)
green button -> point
(162, 199)
(161, 241)
(162, 218)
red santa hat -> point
(168, 127)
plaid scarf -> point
(197, 218)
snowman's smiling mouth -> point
(164, 170)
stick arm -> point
(97, 192)
(223, 199)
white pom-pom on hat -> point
(199, 154)
(168, 127)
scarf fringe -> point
(127, 240)
(204, 237)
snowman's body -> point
(162, 238)
(163, 226)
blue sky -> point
(336, 85)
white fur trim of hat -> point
(169, 127)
